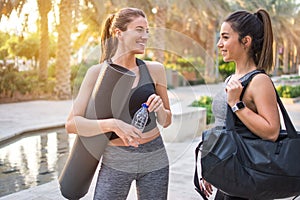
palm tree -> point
(44, 8)
(199, 19)
(63, 54)
(7, 6)
(284, 15)
(211, 13)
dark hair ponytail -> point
(266, 56)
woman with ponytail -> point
(247, 40)
(132, 155)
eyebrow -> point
(141, 27)
(225, 33)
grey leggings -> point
(148, 165)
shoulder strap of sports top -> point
(246, 79)
(145, 74)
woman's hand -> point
(129, 134)
(234, 89)
(206, 187)
(155, 103)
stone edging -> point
(290, 100)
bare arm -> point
(159, 102)
(261, 114)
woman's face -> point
(229, 45)
(134, 39)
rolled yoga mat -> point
(107, 100)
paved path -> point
(15, 118)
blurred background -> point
(46, 46)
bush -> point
(287, 91)
(226, 69)
(13, 82)
(206, 102)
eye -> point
(140, 30)
(224, 36)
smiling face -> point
(134, 39)
(229, 45)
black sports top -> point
(137, 96)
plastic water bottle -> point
(140, 118)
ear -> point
(118, 32)
(247, 40)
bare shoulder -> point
(92, 73)
(261, 80)
(88, 83)
(262, 85)
(157, 71)
(95, 69)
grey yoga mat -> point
(107, 100)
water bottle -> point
(140, 118)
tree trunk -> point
(44, 8)
(210, 50)
(275, 58)
(294, 59)
(286, 57)
(159, 36)
(63, 54)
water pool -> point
(33, 159)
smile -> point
(142, 44)
(223, 52)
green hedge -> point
(12, 81)
(206, 102)
(288, 91)
(225, 68)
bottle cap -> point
(145, 105)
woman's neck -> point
(242, 68)
(126, 60)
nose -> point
(219, 43)
(145, 35)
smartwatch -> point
(238, 106)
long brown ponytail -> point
(108, 41)
(266, 57)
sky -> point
(15, 24)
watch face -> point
(240, 105)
